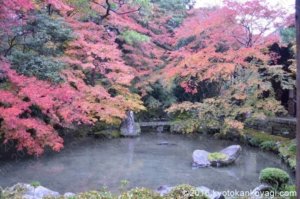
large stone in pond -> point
(129, 128)
(232, 153)
(131, 132)
(200, 158)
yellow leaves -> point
(232, 127)
(259, 116)
(51, 45)
(128, 100)
(239, 96)
(182, 107)
(271, 107)
(234, 124)
(185, 126)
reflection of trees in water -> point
(251, 165)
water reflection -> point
(87, 164)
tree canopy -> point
(66, 63)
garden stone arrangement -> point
(129, 128)
(225, 157)
(271, 179)
(31, 191)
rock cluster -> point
(27, 191)
(201, 158)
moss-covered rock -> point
(287, 152)
(217, 156)
(20, 191)
(275, 177)
(285, 147)
(15, 192)
(259, 138)
(185, 192)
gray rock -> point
(211, 194)
(129, 127)
(256, 193)
(200, 159)
(131, 133)
(27, 191)
(166, 143)
(232, 152)
(39, 193)
(164, 190)
(160, 129)
(69, 194)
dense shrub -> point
(138, 193)
(269, 146)
(94, 195)
(277, 178)
(157, 99)
(185, 192)
(44, 68)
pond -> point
(88, 163)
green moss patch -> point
(285, 147)
(287, 152)
(217, 156)
(256, 138)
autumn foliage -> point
(65, 63)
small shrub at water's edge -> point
(277, 178)
(269, 146)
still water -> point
(88, 163)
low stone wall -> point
(285, 127)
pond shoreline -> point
(139, 150)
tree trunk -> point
(298, 98)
